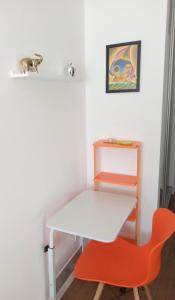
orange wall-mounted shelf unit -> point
(120, 179)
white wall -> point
(127, 115)
(42, 137)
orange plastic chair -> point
(124, 264)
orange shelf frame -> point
(117, 179)
(105, 144)
(133, 215)
(120, 179)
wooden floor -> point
(163, 288)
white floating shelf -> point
(40, 76)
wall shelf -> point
(42, 76)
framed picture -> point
(123, 67)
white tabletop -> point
(94, 215)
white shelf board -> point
(40, 76)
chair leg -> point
(148, 294)
(99, 291)
(136, 294)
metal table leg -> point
(51, 267)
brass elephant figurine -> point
(28, 64)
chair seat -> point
(119, 263)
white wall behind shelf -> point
(42, 139)
(134, 116)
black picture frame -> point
(123, 67)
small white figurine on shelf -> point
(29, 64)
(70, 69)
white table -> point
(92, 214)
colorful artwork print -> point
(123, 67)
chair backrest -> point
(163, 227)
